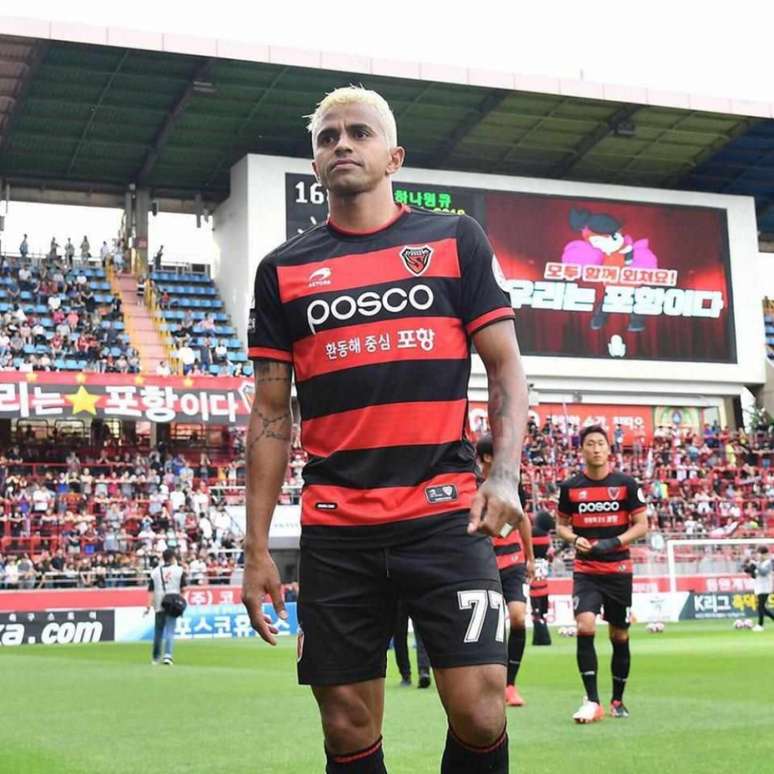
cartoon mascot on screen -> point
(604, 244)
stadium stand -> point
(191, 314)
(768, 322)
(56, 318)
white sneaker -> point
(757, 628)
(168, 661)
(589, 712)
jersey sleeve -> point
(565, 508)
(267, 336)
(485, 299)
(635, 498)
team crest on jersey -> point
(613, 491)
(416, 259)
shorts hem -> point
(343, 678)
(454, 661)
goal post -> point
(673, 564)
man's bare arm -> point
(638, 528)
(266, 455)
(564, 531)
(497, 501)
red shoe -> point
(513, 697)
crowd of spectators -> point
(53, 317)
(103, 519)
(716, 482)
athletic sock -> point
(461, 758)
(587, 665)
(619, 666)
(516, 642)
(367, 761)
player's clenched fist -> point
(496, 508)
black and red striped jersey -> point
(600, 509)
(377, 327)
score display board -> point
(589, 277)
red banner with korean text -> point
(216, 400)
(634, 420)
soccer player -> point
(761, 571)
(538, 588)
(375, 311)
(516, 564)
(601, 512)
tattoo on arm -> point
(501, 422)
(263, 425)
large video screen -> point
(589, 277)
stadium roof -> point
(94, 109)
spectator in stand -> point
(186, 356)
(11, 575)
(69, 253)
(24, 277)
(157, 259)
(85, 249)
(24, 248)
(205, 354)
(220, 354)
(162, 369)
(104, 252)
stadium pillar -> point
(5, 432)
(142, 204)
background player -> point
(390, 509)
(516, 564)
(601, 512)
(538, 588)
(761, 572)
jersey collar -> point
(399, 213)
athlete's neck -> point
(597, 473)
(363, 212)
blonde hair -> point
(356, 95)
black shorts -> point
(609, 594)
(448, 581)
(513, 580)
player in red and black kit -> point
(601, 513)
(516, 565)
(538, 588)
(375, 312)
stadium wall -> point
(88, 616)
(259, 191)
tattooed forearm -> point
(279, 428)
(505, 437)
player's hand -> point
(496, 503)
(582, 546)
(260, 578)
(602, 547)
(530, 570)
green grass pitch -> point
(701, 697)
